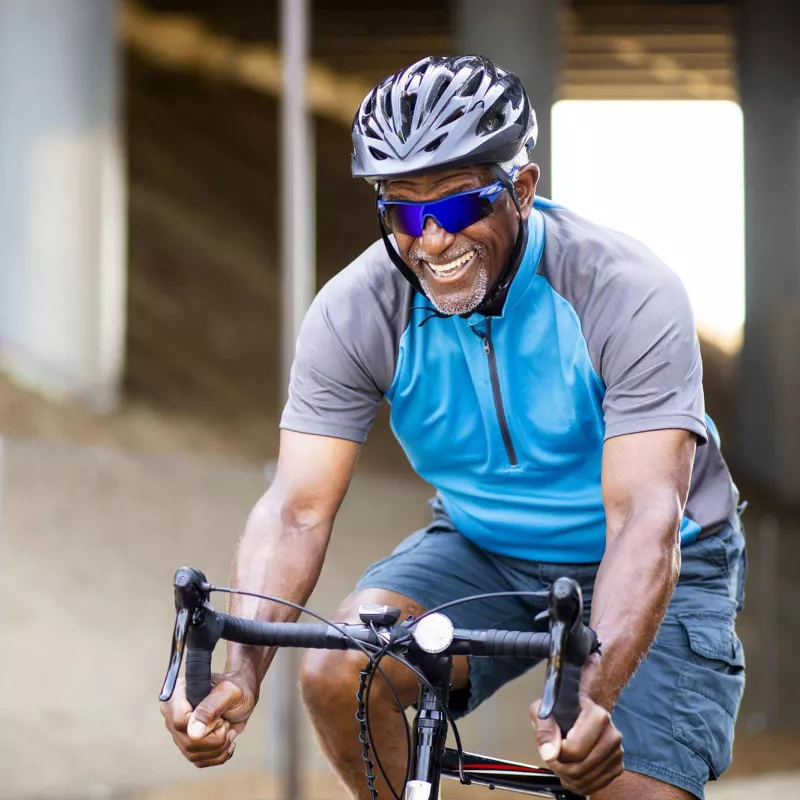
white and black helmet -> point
(442, 112)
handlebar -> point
(567, 646)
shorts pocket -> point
(710, 688)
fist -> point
(206, 736)
(590, 756)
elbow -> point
(652, 530)
(293, 515)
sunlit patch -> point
(670, 173)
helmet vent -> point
(494, 118)
(436, 91)
(473, 84)
(377, 155)
(407, 104)
(457, 114)
(434, 145)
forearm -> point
(280, 555)
(634, 585)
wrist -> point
(247, 667)
(596, 685)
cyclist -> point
(544, 376)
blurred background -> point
(166, 210)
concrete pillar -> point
(525, 37)
(768, 440)
(62, 209)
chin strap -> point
(493, 302)
(407, 272)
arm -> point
(645, 484)
(286, 537)
(280, 553)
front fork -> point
(430, 728)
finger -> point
(215, 762)
(607, 751)
(602, 776)
(590, 726)
(215, 741)
(177, 710)
(548, 735)
(224, 696)
(205, 754)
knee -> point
(329, 680)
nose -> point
(435, 240)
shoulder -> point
(370, 290)
(590, 265)
(353, 329)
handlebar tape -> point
(198, 675)
(293, 634)
(513, 644)
(568, 704)
(582, 642)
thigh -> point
(677, 713)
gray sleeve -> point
(346, 353)
(646, 347)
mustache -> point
(417, 254)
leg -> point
(633, 786)
(329, 682)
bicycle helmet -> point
(440, 113)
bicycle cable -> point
(374, 654)
(366, 677)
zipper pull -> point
(487, 347)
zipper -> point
(496, 394)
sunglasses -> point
(453, 213)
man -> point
(544, 375)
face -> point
(457, 270)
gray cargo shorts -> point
(677, 713)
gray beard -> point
(459, 305)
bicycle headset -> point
(441, 113)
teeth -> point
(445, 269)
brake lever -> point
(565, 609)
(191, 595)
(552, 679)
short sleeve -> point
(649, 358)
(347, 350)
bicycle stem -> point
(430, 727)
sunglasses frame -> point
(491, 192)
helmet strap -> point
(492, 304)
(406, 271)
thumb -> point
(548, 734)
(206, 717)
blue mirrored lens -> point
(452, 213)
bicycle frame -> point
(432, 760)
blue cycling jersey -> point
(506, 416)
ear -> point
(526, 188)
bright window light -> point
(671, 174)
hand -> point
(590, 757)
(206, 736)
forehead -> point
(434, 184)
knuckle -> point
(602, 715)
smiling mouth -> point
(452, 268)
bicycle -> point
(425, 644)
